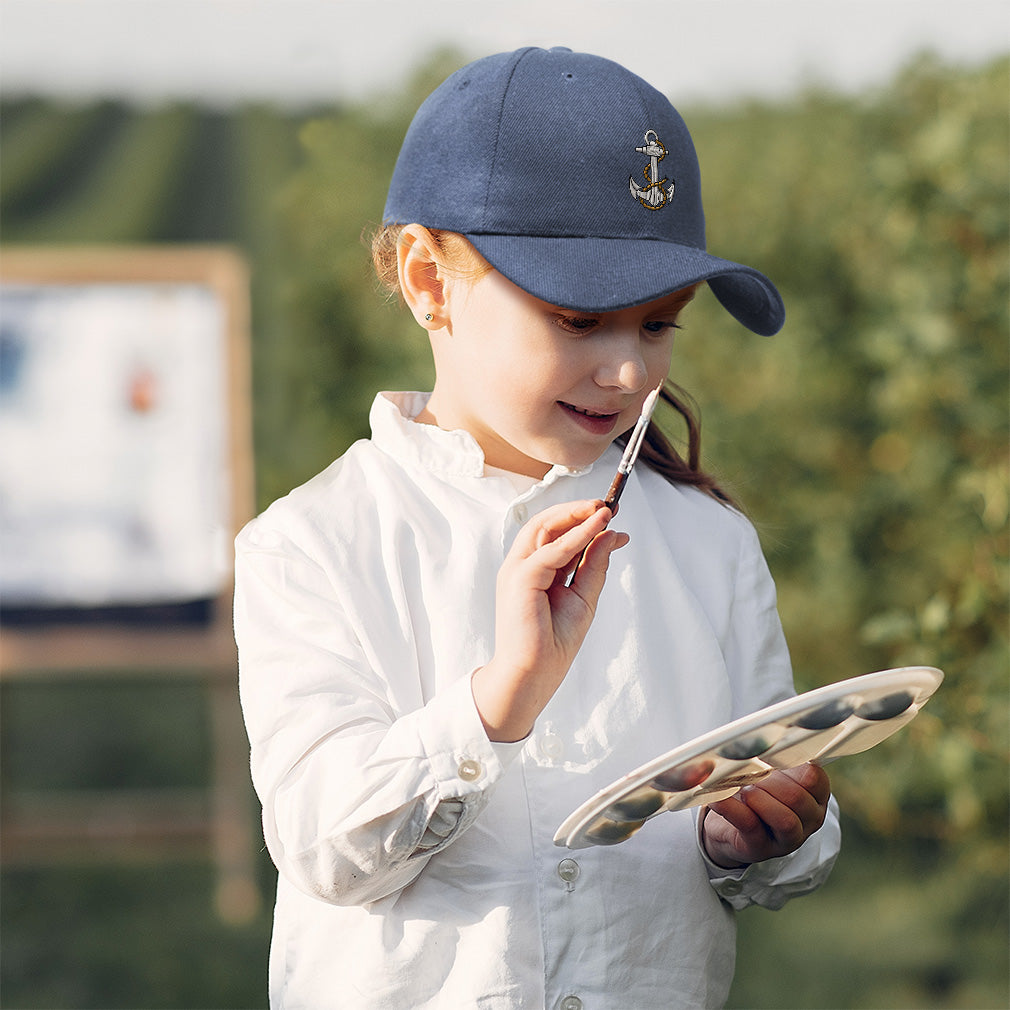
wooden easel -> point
(151, 823)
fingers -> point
(540, 623)
(591, 573)
(813, 779)
(781, 800)
(772, 817)
(554, 539)
(561, 523)
(788, 810)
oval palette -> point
(819, 726)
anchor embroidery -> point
(653, 196)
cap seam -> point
(497, 135)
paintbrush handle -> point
(628, 458)
(616, 489)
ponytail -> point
(659, 454)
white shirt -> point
(417, 862)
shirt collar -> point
(449, 453)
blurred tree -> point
(868, 439)
(872, 431)
(869, 442)
(347, 340)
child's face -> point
(538, 385)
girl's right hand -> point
(540, 622)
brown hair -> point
(657, 452)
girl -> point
(432, 679)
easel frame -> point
(206, 650)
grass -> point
(893, 927)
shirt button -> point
(551, 746)
(469, 771)
(569, 870)
(570, 1003)
(521, 513)
(731, 887)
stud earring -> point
(428, 317)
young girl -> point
(444, 648)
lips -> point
(587, 412)
(595, 421)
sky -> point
(297, 52)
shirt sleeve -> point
(356, 796)
(773, 882)
(761, 674)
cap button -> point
(559, 49)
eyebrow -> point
(678, 299)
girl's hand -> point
(539, 621)
(770, 818)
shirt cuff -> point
(772, 882)
(466, 764)
(462, 759)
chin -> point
(561, 454)
(577, 461)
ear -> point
(422, 278)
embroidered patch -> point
(656, 194)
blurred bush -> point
(871, 434)
(868, 440)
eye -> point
(577, 324)
(658, 327)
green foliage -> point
(872, 431)
(122, 199)
(348, 340)
(127, 936)
(868, 441)
(106, 748)
(895, 927)
(45, 147)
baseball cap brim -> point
(593, 274)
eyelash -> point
(582, 325)
(663, 326)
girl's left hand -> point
(771, 818)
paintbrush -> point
(631, 450)
(627, 461)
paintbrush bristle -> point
(650, 402)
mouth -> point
(595, 421)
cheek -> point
(658, 359)
(535, 367)
(505, 389)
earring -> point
(428, 317)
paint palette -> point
(818, 726)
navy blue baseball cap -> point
(575, 179)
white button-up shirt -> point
(416, 858)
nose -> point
(622, 365)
